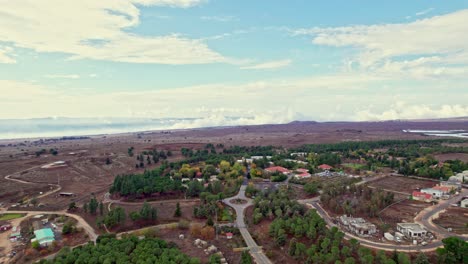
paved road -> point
(376, 245)
(426, 216)
(255, 250)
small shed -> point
(229, 235)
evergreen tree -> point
(177, 212)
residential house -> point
(325, 167)
(420, 196)
(229, 235)
(411, 230)
(278, 169)
(44, 236)
(303, 175)
(434, 192)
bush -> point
(184, 224)
(35, 244)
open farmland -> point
(455, 218)
(401, 184)
(404, 211)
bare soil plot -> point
(455, 218)
(452, 156)
(402, 212)
(401, 184)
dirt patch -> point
(402, 212)
(401, 184)
(455, 218)
(452, 156)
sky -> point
(264, 61)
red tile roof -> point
(305, 174)
(442, 188)
(325, 167)
(302, 170)
(422, 195)
(277, 168)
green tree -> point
(178, 211)
(93, 205)
(72, 206)
(455, 250)
(403, 258)
(246, 258)
(68, 228)
(101, 208)
(421, 258)
(145, 211)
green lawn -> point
(5, 217)
(353, 165)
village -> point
(406, 219)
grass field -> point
(353, 165)
(6, 217)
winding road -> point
(255, 250)
(427, 223)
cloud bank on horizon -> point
(214, 60)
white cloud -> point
(4, 55)
(219, 18)
(97, 30)
(402, 110)
(62, 76)
(334, 97)
(425, 11)
(268, 65)
(435, 46)
(173, 3)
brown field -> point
(455, 218)
(404, 211)
(401, 184)
(452, 156)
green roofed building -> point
(45, 236)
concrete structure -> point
(45, 236)
(420, 196)
(464, 203)
(299, 154)
(411, 230)
(359, 226)
(296, 161)
(389, 236)
(434, 192)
